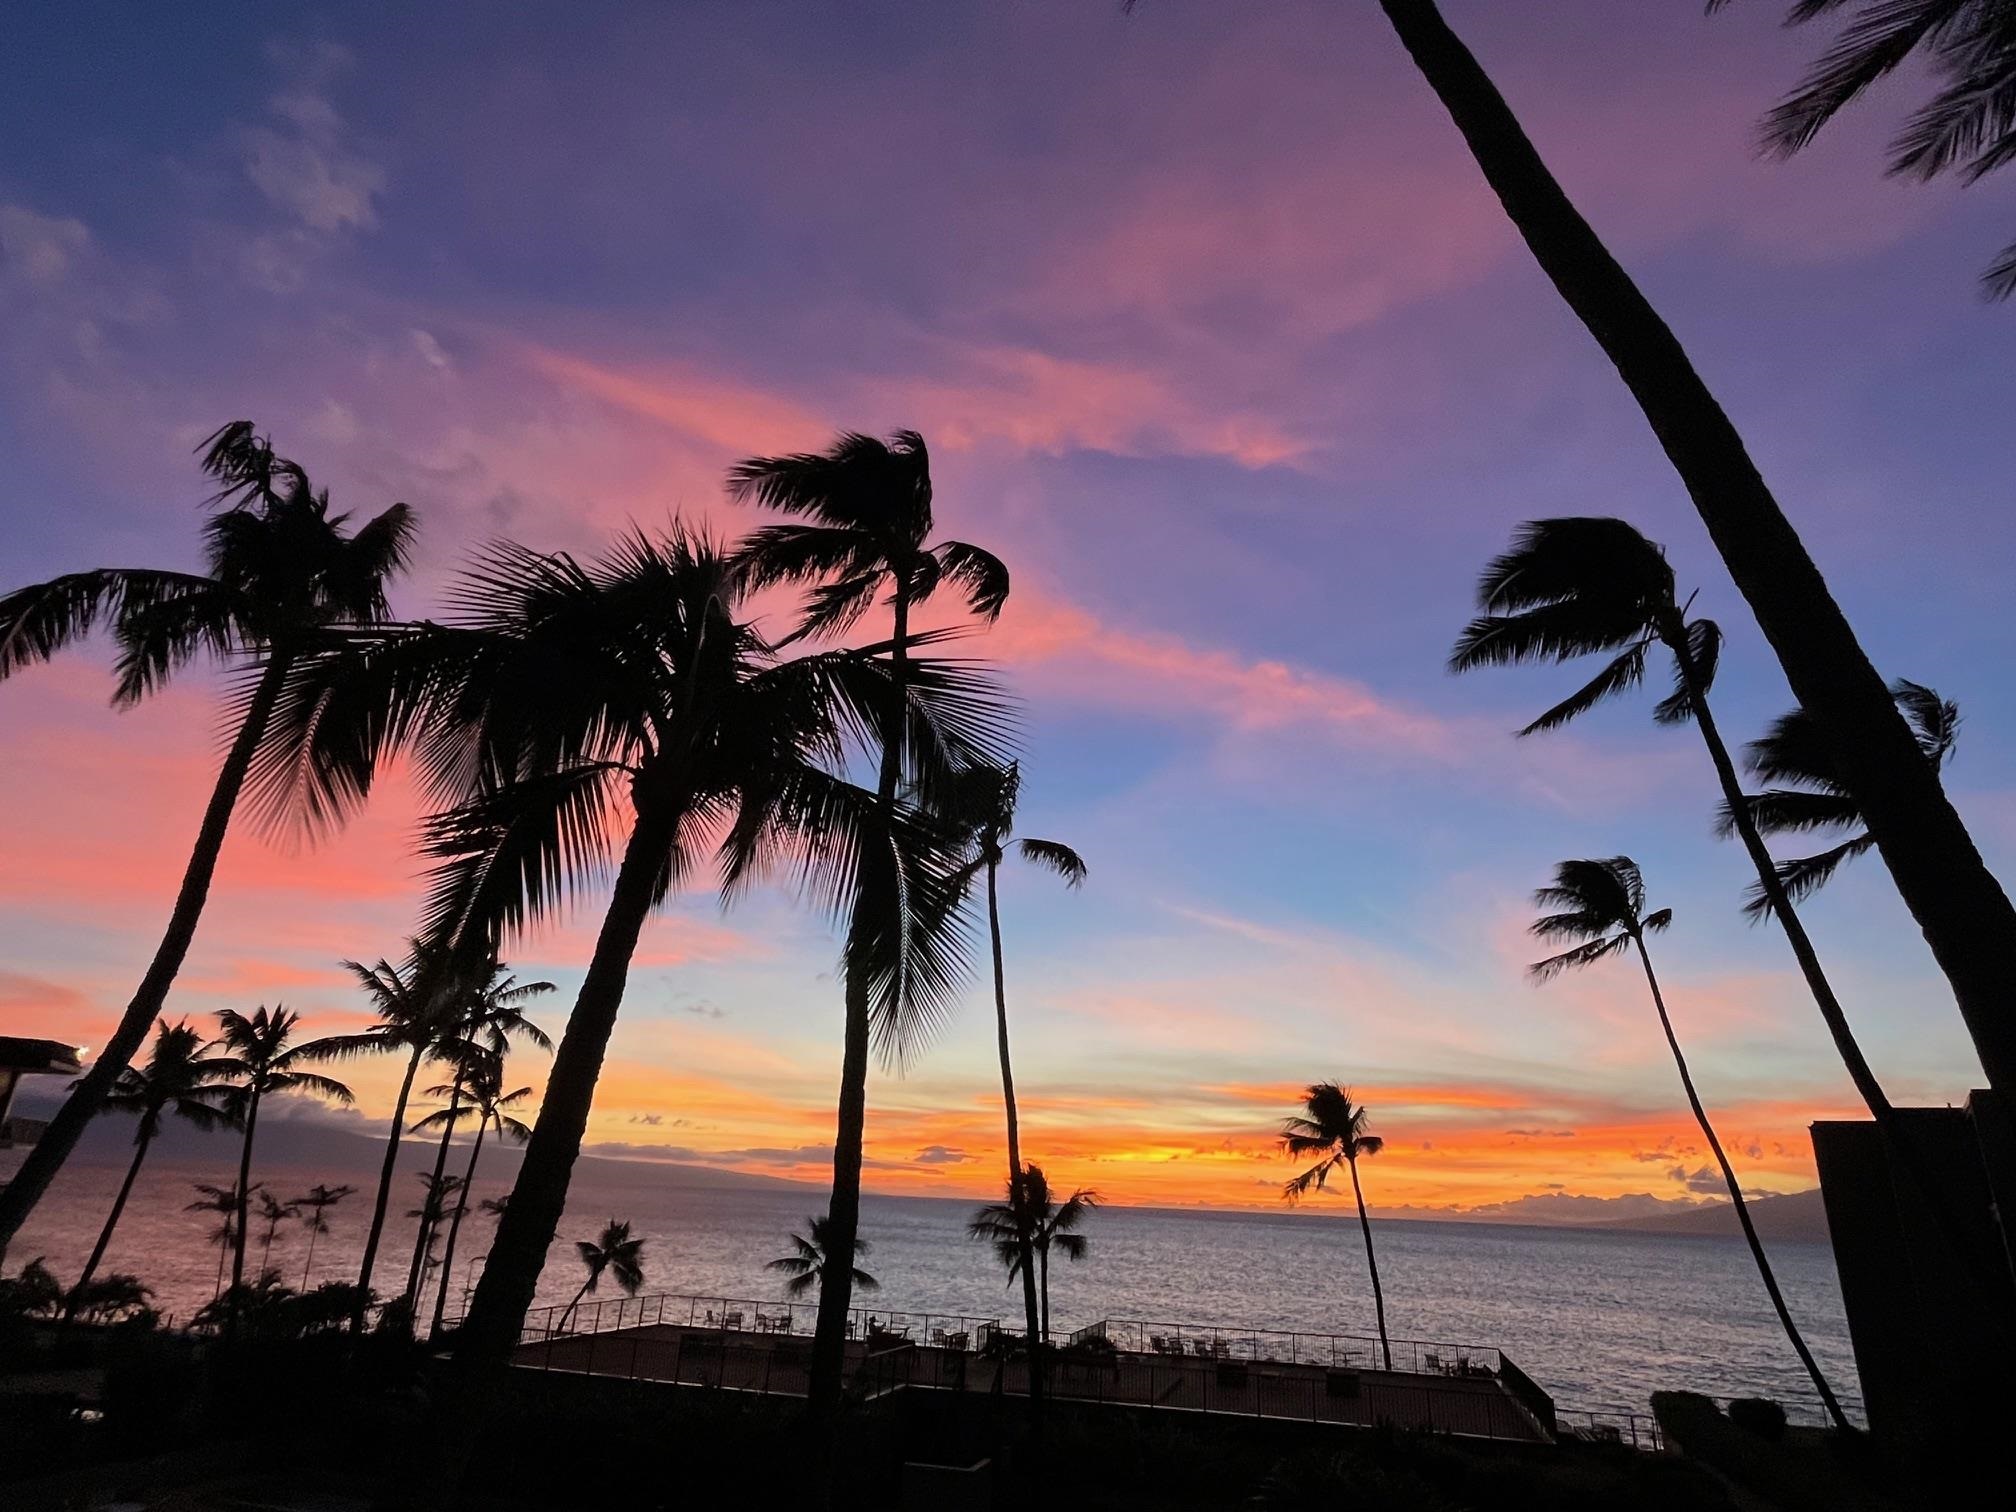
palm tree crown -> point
(178, 1077)
(1333, 1127)
(261, 1059)
(1051, 1224)
(616, 1252)
(810, 1256)
(1599, 905)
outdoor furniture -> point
(1221, 1349)
(956, 1340)
(731, 1320)
(1431, 1360)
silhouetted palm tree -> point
(177, 1079)
(223, 1201)
(1793, 752)
(482, 1085)
(868, 504)
(1577, 587)
(272, 1212)
(280, 572)
(1967, 919)
(614, 1251)
(1334, 1127)
(261, 1060)
(983, 800)
(1049, 1225)
(811, 1255)
(1601, 906)
(1968, 127)
(314, 1210)
(434, 1194)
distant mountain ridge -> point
(1796, 1215)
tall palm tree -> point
(281, 571)
(225, 1202)
(1575, 587)
(178, 1078)
(314, 1206)
(812, 1256)
(1336, 1128)
(272, 1212)
(481, 1084)
(1808, 794)
(262, 1060)
(867, 508)
(1966, 917)
(1600, 905)
(1047, 1225)
(984, 799)
(614, 1251)
(1968, 127)
(561, 689)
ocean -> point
(1600, 1318)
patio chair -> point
(1431, 1360)
(731, 1320)
(1201, 1348)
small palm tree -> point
(224, 1202)
(178, 1078)
(434, 1194)
(272, 1212)
(281, 573)
(983, 799)
(482, 1084)
(1030, 1213)
(314, 1206)
(1808, 793)
(261, 1060)
(1601, 906)
(1336, 1128)
(613, 1251)
(811, 1255)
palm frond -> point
(1581, 955)
(982, 575)
(1623, 673)
(1804, 876)
(1704, 651)
(1055, 856)
(37, 622)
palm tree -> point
(1600, 905)
(560, 691)
(281, 572)
(1967, 919)
(482, 1083)
(984, 798)
(868, 504)
(1575, 587)
(613, 1251)
(1793, 752)
(1029, 1213)
(314, 1210)
(434, 1194)
(177, 1079)
(223, 1201)
(1968, 127)
(272, 1212)
(1336, 1128)
(812, 1255)
(262, 1061)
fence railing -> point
(1279, 1346)
(745, 1315)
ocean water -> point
(1599, 1318)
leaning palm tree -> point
(984, 799)
(225, 1202)
(1029, 1213)
(1807, 794)
(481, 1085)
(1335, 1127)
(812, 1256)
(1967, 919)
(1600, 905)
(314, 1206)
(614, 1251)
(1576, 587)
(280, 573)
(1967, 127)
(178, 1078)
(867, 508)
(262, 1060)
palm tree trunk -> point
(111, 1222)
(244, 1202)
(223, 1254)
(567, 1316)
(455, 1223)
(46, 1156)
(843, 1212)
(1372, 1264)
(1043, 1260)
(430, 1207)
(524, 1233)
(386, 1171)
(1736, 1197)
(1966, 917)
(308, 1265)
(1030, 1306)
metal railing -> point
(751, 1316)
(1278, 1346)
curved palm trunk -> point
(1372, 1265)
(567, 1317)
(1031, 1308)
(1966, 917)
(386, 1171)
(430, 1209)
(46, 1156)
(111, 1222)
(455, 1223)
(1736, 1197)
(308, 1265)
(244, 1201)
(524, 1233)
(836, 1295)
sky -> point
(1219, 340)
